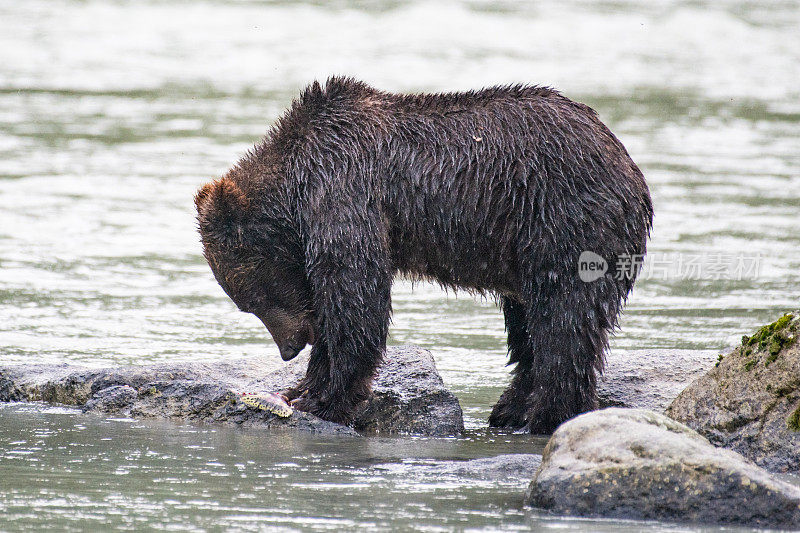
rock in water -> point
(114, 399)
(408, 393)
(750, 402)
(650, 379)
(632, 463)
(409, 397)
(508, 469)
(500, 468)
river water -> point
(113, 113)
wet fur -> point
(496, 191)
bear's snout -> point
(290, 344)
(294, 345)
(290, 351)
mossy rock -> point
(794, 420)
(749, 401)
(776, 336)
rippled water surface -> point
(113, 113)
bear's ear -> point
(221, 209)
(222, 196)
(202, 195)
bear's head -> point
(258, 263)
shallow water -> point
(112, 114)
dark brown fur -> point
(494, 191)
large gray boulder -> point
(409, 396)
(637, 464)
(750, 402)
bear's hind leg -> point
(569, 322)
(510, 410)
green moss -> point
(764, 332)
(750, 364)
(775, 346)
(719, 359)
(772, 337)
(794, 420)
(782, 322)
(770, 359)
(758, 336)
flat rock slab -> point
(751, 401)
(650, 379)
(508, 469)
(637, 464)
(409, 396)
(500, 468)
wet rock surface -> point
(409, 396)
(512, 469)
(501, 468)
(637, 464)
(750, 402)
(650, 379)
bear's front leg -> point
(339, 379)
(349, 269)
(328, 393)
(336, 404)
(353, 307)
(316, 374)
(352, 300)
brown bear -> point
(497, 191)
